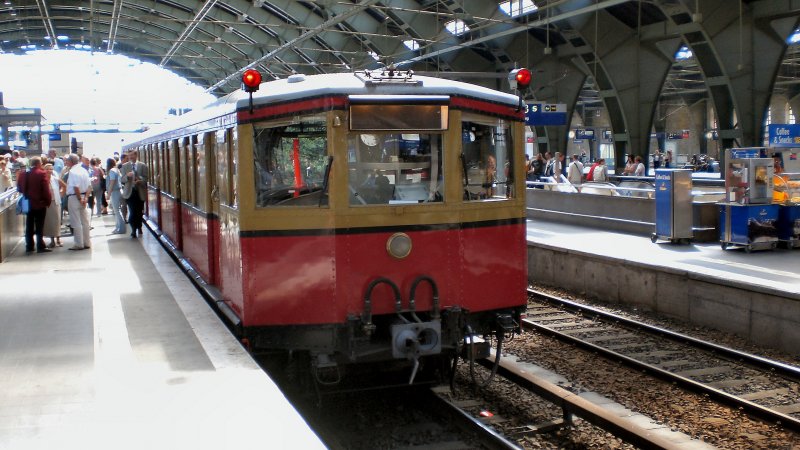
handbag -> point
(23, 205)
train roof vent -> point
(296, 78)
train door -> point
(211, 182)
(154, 192)
(224, 202)
(175, 185)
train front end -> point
(386, 222)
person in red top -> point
(36, 186)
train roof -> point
(369, 83)
(297, 87)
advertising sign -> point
(784, 135)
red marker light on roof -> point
(520, 79)
(251, 80)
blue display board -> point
(584, 133)
(748, 152)
(546, 114)
(784, 135)
(663, 194)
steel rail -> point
(786, 370)
(717, 395)
(487, 435)
(572, 404)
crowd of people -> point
(67, 192)
(546, 167)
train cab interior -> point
(395, 168)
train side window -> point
(487, 158)
(395, 168)
(290, 163)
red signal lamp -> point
(251, 80)
(520, 79)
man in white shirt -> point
(639, 172)
(575, 171)
(79, 187)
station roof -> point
(212, 41)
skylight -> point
(684, 53)
(411, 44)
(516, 8)
(456, 27)
(794, 38)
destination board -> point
(545, 114)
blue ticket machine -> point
(673, 198)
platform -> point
(114, 348)
(755, 295)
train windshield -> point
(487, 158)
(395, 168)
(290, 163)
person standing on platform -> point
(639, 171)
(58, 163)
(5, 175)
(135, 175)
(630, 166)
(668, 160)
(600, 172)
(657, 156)
(79, 189)
(115, 195)
(575, 171)
(36, 186)
(52, 221)
(123, 205)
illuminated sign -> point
(545, 114)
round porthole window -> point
(399, 245)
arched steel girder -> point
(740, 84)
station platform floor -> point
(114, 348)
(777, 269)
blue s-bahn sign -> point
(545, 114)
(784, 135)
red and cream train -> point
(355, 218)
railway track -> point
(769, 390)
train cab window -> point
(291, 162)
(487, 158)
(395, 168)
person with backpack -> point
(575, 171)
(590, 174)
